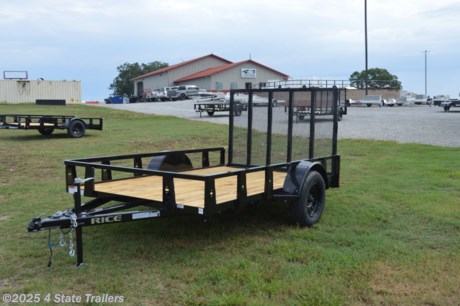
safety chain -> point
(73, 225)
(71, 246)
(62, 242)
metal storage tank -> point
(28, 91)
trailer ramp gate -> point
(269, 156)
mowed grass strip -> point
(389, 235)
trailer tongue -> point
(268, 157)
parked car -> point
(183, 92)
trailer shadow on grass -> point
(34, 137)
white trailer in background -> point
(422, 99)
(368, 100)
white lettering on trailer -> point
(145, 215)
(107, 219)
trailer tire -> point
(210, 113)
(46, 130)
(340, 114)
(446, 108)
(238, 110)
(76, 129)
(307, 210)
(176, 161)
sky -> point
(87, 40)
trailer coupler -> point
(67, 219)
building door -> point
(140, 88)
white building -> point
(209, 72)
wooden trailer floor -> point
(190, 192)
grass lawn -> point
(390, 235)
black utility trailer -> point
(46, 124)
(451, 103)
(268, 158)
(303, 106)
(212, 107)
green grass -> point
(389, 235)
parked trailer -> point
(324, 105)
(368, 100)
(268, 158)
(449, 104)
(46, 124)
(212, 107)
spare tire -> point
(175, 161)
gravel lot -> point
(404, 124)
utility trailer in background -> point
(324, 105)
(268, 158)
(368, 100)
(451, 103)
(211, 107)
(46, 124)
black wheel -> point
(76, 129)
(238, 110)
(446, 108)
(340, 115)
(46, 130)
(309, 208)
(210, 112)
(369, 105)
(48, 125)
(182, 96)
(171, 162)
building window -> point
(233, 85)
(219, 86)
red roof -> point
(212, 71)
(169, 68)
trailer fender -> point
(297, 174)
(175, 161)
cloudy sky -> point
(87, 39)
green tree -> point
(377, 78)
(122, 84)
